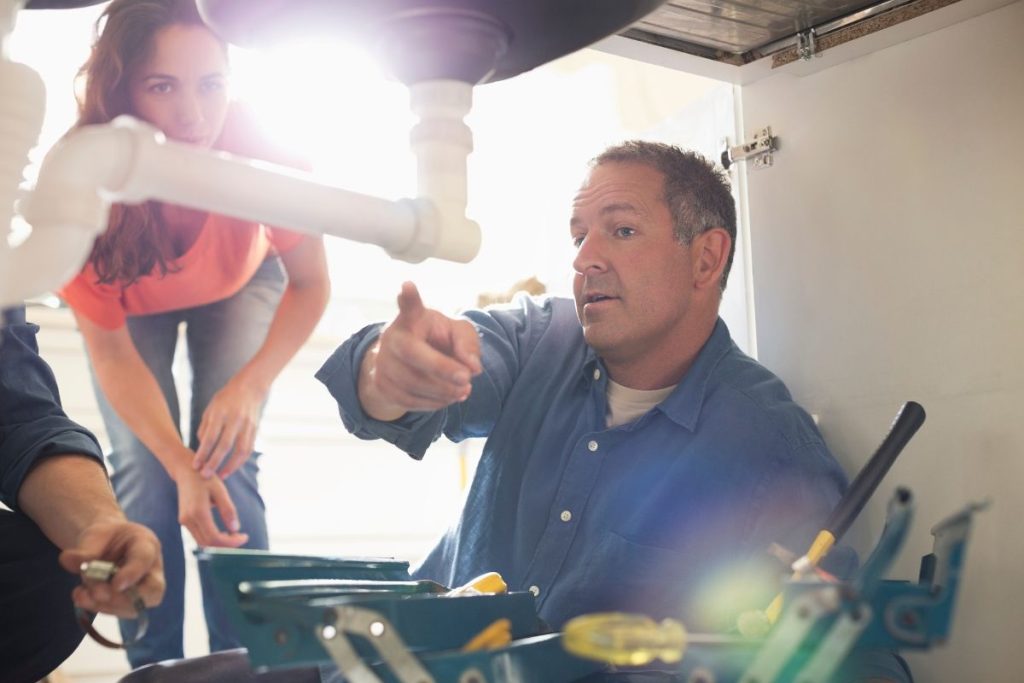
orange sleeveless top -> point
(223, 258)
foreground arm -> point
(231, 419)
(84, 521)
(51, 470)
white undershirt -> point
(626, 405)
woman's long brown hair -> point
(134, 243)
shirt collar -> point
(683, 405)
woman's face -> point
(182, 88)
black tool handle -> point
(907, 422)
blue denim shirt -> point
(671, 515)
(32, 423)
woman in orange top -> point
(159, 267)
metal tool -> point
(490, 583)
(101, 570)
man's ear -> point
(710, 251)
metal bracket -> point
(376, 629)
(807, 44)
(796, 623)
(836, 645)
(759, 149)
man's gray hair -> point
(696, 191)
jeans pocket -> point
(270, 272)
(266, 285)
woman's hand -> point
(196, 498)
(227, 432)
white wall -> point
(888, 264)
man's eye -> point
(623, 231)
(160, 88)
(577, 240)
(212, 86)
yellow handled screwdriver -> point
(624, 639)
(490, 583)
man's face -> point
(633, 277)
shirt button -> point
(565, 516)
(592, 445)
(535, 590)
(597, 373)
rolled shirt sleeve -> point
(340, 374)
(33, 425)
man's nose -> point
(589, 255)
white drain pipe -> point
(441, 142)
(22, 104)
(130, 162)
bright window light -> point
(331, 104)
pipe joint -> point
(79, 177)
(442, 231)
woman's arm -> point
(230, 421)
(133, 392)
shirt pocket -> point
(627, 576)
(699, 588)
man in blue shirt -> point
(52, 476)
(636, 459)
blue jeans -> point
(221, 338)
